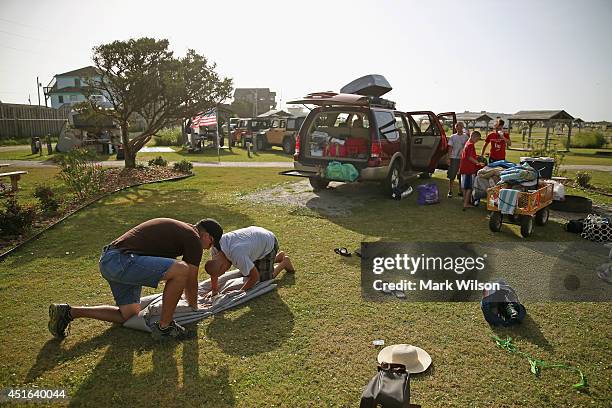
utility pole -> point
(38, 90)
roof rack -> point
(381, 102)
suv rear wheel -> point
(288, 145)
(318, 183)
(261, 143)
(393, 179)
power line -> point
(22, 36)
(20, 24)
(20, 50)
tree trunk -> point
(129, 153)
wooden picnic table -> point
(14, 176)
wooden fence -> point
(19, 121)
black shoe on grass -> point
(173, 331)
(59, 319)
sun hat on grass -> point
(415, 359)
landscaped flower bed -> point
(111, 180)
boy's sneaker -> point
(59, 319)
(173, 331)
(450, 195)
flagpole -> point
(218, 144)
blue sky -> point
(500, 56)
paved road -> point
(286, 164)
(49, 163)
(13, 148)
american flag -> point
(206, 119)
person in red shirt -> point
(499, 140)
(468, 167)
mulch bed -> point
(590, 189)
(114, 180)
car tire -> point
(496, 220)
(288, 145)
(541, 217)
(393, 179)
(261, 143)
(526, 225)
(318, 183)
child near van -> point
(468, 167)
(455, 148)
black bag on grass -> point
(575, 226)
(502, 307)
(389, 388)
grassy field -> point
(309, 344)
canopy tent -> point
(548, 118)
(215, 121)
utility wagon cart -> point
(532, 206)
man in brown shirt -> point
(146, 255)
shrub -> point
(184, 166)
(168, 137)
(593, 140)
(158, 161)
(80, 174)
(15, 218)
(46, 196)
(583, 178)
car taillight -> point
(296, 154)
(375, 153)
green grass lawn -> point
(309, 344)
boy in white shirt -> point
(455, 148)
(254, 251)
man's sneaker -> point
(173, 331)
(450, 194)
(59, 319)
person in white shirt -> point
(254, 251)
(455, 148)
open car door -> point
(448, 120)
(428, 140)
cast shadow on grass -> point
(285, 279)
(362, 208)
(528, 330)
(264, 327)
(117, 380)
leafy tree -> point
(141, 77)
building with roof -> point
(482, 119)
(275, 113)
(72, 87)
(251, 102)
(475, 120)
(548, 119)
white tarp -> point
(229, 284)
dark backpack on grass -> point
(389, 388)
(575, 226)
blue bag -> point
(428, 194)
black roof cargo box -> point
(368, 85)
